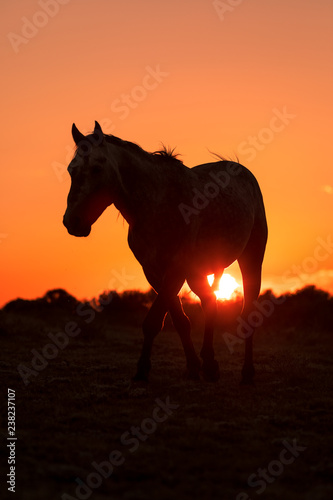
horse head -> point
(92, 181)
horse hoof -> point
(142, 371)
(211, 371)
(247, 381)
(247, 375)
(193, 369)
(140, 377)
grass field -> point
(174, 438)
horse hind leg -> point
(251, 274)
(183, 326)
(200, 287)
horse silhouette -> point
(184, 224)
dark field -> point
(215, 440)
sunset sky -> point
(251, 78)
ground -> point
(198, 440)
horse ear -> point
(98, 134)
(98, 128)
(77, 136)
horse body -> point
(221, 229)
(184, 224)
(209, 239)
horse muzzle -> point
(75, 227)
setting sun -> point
(227, 286)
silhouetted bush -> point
(306, 309)
(130, 307)
(59, 298)
(55, 307)
(53, 299)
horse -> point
(184, 224)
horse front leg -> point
(210, 367)
(152, 325)
(183, 327)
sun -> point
(227, 286)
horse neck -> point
(141, 182)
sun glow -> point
(227, 286)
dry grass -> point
(75, 411)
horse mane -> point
(165, 153)
(223, 158)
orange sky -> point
(252, 78)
